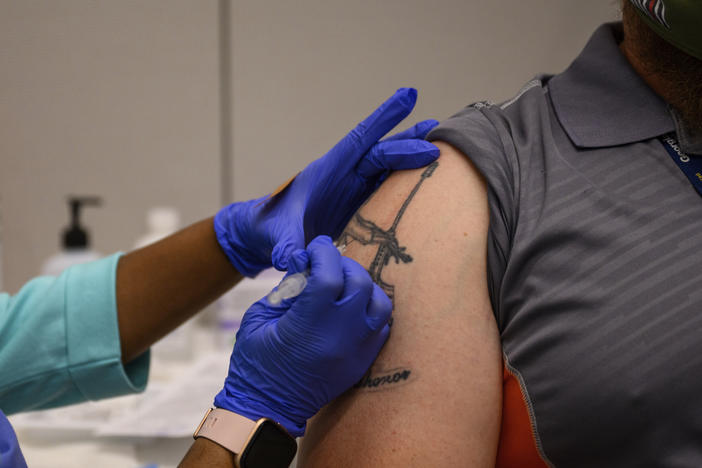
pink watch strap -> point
(230, 430)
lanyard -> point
(690, 165)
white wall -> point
(113, 98)
(306, 71)
(120, 98)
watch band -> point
(228, 429)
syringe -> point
(292, 285)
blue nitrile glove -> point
(10, 453)
(291, 360)
(324, 196)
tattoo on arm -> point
(366, 232)
(385, 379)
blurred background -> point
(196, 103)
(191, 104)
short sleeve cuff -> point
(92, 331)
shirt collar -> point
(601, 101)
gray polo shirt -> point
(595, 265)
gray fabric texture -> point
(594, 261)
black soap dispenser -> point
(75, 240)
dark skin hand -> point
(164, 284)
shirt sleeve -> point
(59, 341)
(475, 134)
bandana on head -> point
(677, 21)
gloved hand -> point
(324, 196)
(292, 359)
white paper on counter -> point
(170, 407)
(87, 417)
(178, 408)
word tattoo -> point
(384, 380)
(366, 232)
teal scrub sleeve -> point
(59, 341)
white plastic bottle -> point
(160, 222)
(75, 241)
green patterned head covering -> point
(677, 21)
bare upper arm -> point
(433, 396)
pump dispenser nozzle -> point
(75, 236)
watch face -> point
(270, 446)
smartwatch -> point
(256, 444)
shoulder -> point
(486, 126)
(432, 201)
(422, 237)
